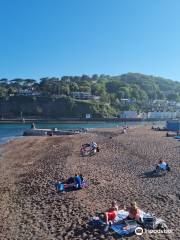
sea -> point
(12, 131)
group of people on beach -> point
(78, 182)
(88, 149)
(112, 212)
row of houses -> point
(150, 115)
(76, 95)
(166, 102)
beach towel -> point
(125, 228)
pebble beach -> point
(31, 208)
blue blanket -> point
(124, 229)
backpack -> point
(149, 222)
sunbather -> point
(112, 212)
(65, 184)
(162, 166)
(134, 212)
(82, 150)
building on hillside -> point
(84, 96)
(129, 114)
(161, 115)
(127, 100)
(160, 101)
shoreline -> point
(6, 139)
(79, 120)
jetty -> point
(51, 132)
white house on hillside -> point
(161, 115)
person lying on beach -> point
(134, 212)
(65, 184)
(85, 149)
(82, 150)
(112, 212)
(162, 166)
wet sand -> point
(30, 208)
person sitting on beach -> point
(33, 126)
(78, 181)
(112, 212)
(162, 166)
(134, 212)
(93, 145)
(124, 130)
(81, 176)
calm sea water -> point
(11, 131)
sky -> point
(53, 38)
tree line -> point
(139, 89)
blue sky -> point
(45, 38)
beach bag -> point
(149, 222)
